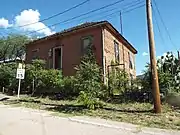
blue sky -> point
(134, 23)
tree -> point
(13, 46)
(88, 80)
(168, 71)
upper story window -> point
(131, 63)
(35, 54)
(116, 51)
(86, 43)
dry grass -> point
(136, 113)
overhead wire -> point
(50, 17)
(106, 12)
(165, 27)
(127, 11)
(122, 12)
(158, 27)
(92, 11)
(81, 15)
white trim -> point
(58, 47)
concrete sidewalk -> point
(24, 121)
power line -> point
(127, 11)
(131, 4)
(106, 11)
(84, 14)
(166, 29)
(123, 12)
(92, 11)
(134, 3)
(158, 27)
(55, 15)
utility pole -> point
(178, 57)
(121, 22)
(155, 82)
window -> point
(35, 54)
(116, 51)
(86, 42)
(130, 61)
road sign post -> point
(20, 75)
(19, 87)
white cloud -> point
(31, 16)
(145, 54)
(4, 23)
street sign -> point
(20, 73)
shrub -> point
(42, 79)
(49, 78)
(118, 81)
(8, 76)
(68, 87)
(89, 101)
(39, 64)
(88, 81)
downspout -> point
(103, 56)
(123, 57)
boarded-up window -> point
(131, 66)
(35, 54)
(86, 43)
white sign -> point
(20, 73)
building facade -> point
(64, 50)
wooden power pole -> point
(155, 82)
(178, 57)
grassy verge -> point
(136, 113)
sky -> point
(21, 12)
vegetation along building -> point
(63, 50)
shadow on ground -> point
(70, 108)
(129, 110)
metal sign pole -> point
(19, 87)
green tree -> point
(168, 72)
(13, 46)
(88, 81)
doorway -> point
(57, 58)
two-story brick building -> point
(63, 50)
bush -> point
(88, 81)
(49, 79)
(68, 87)
(8, 76)
(39, 64)
(118, 81)
(44, 80)
(91, 102)
(37, 78)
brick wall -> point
(109, 53)
(71, 49)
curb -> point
(100, 125)
(138, 129)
